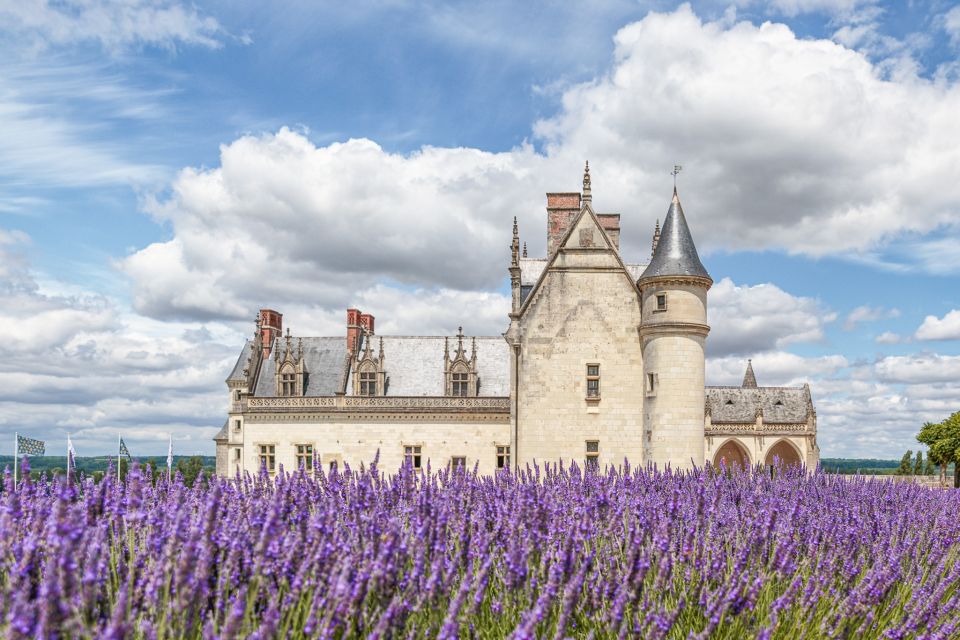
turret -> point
(673, 331)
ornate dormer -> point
(460, 372)
(290, 370)
(369, 376)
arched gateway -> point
(732, 454)
(785, 452)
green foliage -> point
(905, 468)
(918, 465)
(89, 465)
(943, 438)
(929, 469)
(865, 466)
(191, 470)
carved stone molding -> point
(752, 427)
(382, 402)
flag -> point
(123, 450)
(170, 453)
(71, 455)
(31, 447)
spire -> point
(515, 245)
(656, 239)
(749, 380)
(675, 253)
(524, 249)
(587, 195)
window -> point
(305, 456)
(593, 381)
(661, 302)
(236, 425)
(461, 382)
(652, 380)
(236, 455)
(236, 395)
(459, 463)
(368, 383)
(503, 456)
(411, 456)
(593, 454)
(288, 383)
(268, 457)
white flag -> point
(71, 456)
(169, 453)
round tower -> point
(673, 330)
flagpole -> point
(68, 457)
(169, 456)
(16, 455)
(118, 457)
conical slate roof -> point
(749, 380)
(676, 254)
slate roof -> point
(414, 364)
(224, 431)
(237, 374)
(676, 255)
(323, 361)
(786, 405)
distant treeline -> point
(91, 464)
(866, 466)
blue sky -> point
(168, 168)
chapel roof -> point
(675, 255)
(782, 405)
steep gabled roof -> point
(749, 379)
(676, 255)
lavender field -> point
(547, 554)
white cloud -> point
(918, 368)
(774, 369)
(866, 313)
(763, 317)
(888, 337)
(934, 328)
(951, 24)
(112, 24)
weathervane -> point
(676, 169)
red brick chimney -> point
(271, 326)
(611, 224)
(562, 208)
(357, 323)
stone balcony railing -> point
(752, 427)
(380, 403)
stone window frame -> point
(267, 456)
(458, 463)
(503, 456)
(305, 458)
(592, 455)
(237, 424)
(661, 299)
(367, 384)
(287, 381)
(651, 382)
(593, 376)
(367, 363)
(458, 366)
(413, 453)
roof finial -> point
(587, 195)
(524, 249)
(656, 238)
(676, 169)
(515, 245)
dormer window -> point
(460, 370)
(661, 302)
(290, 368)
(368, 383)
(369, 377)
(288, 383)
(729, 402)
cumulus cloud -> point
(918, 368)
(934, 328)
(749, 319)
(888, 337)
(114, 25)
(774, 369)
(83, 364)
(951, 24)
(866, 313)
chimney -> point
(611, 224)
(354, 326)
(562, 208)
(366, 322)
(271, 326)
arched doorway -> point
(732, 454)
(785, 452)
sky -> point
(168, 168)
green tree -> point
(190, 469)
(928, 468)
(943, 439)
(918, 465)
(906, 467)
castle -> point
(602, 361)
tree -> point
(918, 465)
(905, 467)
(928, 469)
(943, 438)
(191, 469)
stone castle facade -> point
(601, 361)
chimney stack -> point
(357, 324)
(271, 326)
(562, 208)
